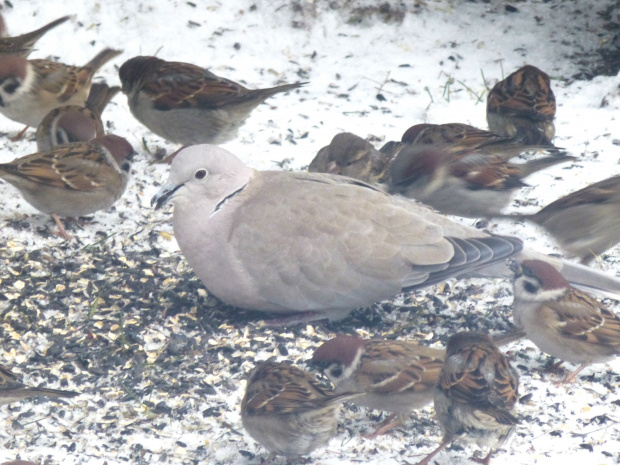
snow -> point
(433, 67)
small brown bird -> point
(562, 321)
(476, 395)
(72, 123)
(288, 411)
(470, 184)
(466, 138)
(187, 104)
(350, 155)
(24, 44)
(523, 106)
(12, 390)
(585, 223)
(30, 89)
(391, 148)
(74, 179)
(396, 376)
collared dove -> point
(313, 243)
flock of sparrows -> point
(309, 246)
(78, 169)
(465, 171)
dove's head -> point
(203, 172)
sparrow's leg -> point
(61, 229)
(19, 135)
(484, 461)
(390, 422)
(426, 460)
(571, 377)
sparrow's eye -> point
(200, 174)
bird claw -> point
(62, 232)
(389, 423)
(19, 136)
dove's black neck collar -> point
(227, 198)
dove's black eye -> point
(200, 174)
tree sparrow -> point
(561, 320)
(24, 44)
(12, 390)
(350, 155)
(187, 104)
(396, 376)
(30, 89)
(287, 410)
(523, 106)
(465, 184)
(74, 179)
(466, 138)
(585, 223)
(72, 123)
(476, 395)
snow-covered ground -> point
(118, 316)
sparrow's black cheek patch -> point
(11, 86)
(531, 288)
(62, 137)
(162, 106)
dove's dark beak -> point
(164, 194)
